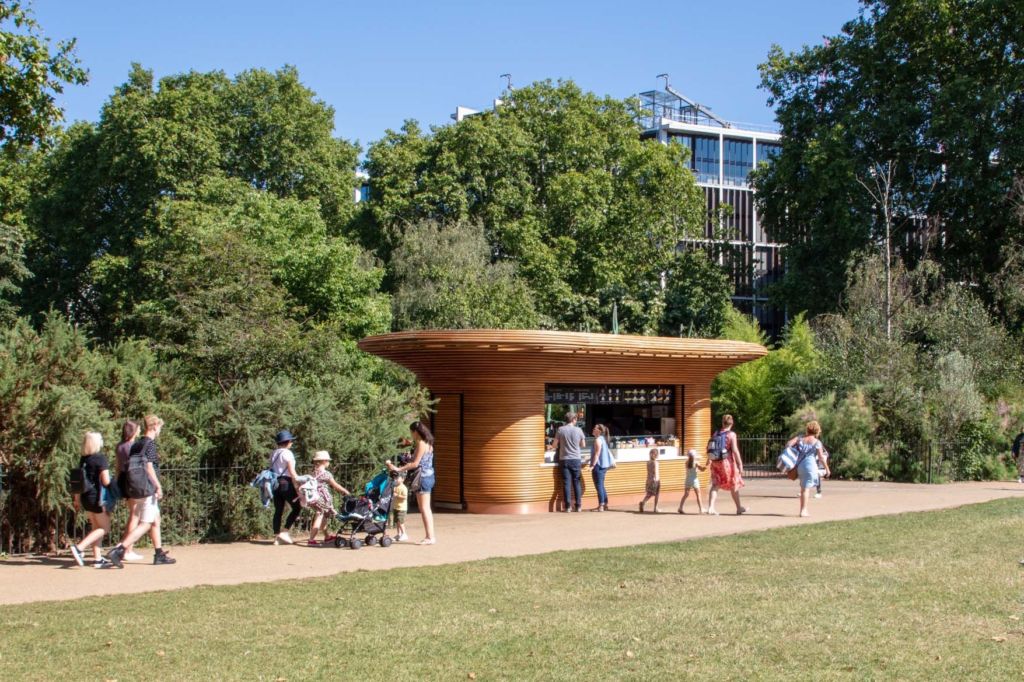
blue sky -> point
(379, 63)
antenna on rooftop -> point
(699, 107)
(508, 80)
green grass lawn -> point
(936, 595)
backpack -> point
(80, 483)
(718, 446)
(139, 485)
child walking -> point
(400, 506)
(692, 482)
(653, 487)
(323, 505)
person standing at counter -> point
(726, 466)
(601, 461)
(569, 443)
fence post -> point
(930, 462)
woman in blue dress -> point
(810, 455)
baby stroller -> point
(366, 514)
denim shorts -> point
(427, 483)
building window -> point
(739, 161)
(705, 159)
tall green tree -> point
(102, 190)
(444, 279)
(931, 91)
(564, 188)
(32, 73)
(697, 296)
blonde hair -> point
(726, 421)
(813, 428)
(91, 443)
(151, 421)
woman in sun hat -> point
(323, 505)
(282, 463)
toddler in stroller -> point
(367, 514)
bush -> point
(858, 461)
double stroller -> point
(366, 514)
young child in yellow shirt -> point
(399, 506)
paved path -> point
(465, 537)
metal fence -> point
(200, 504)
(211, 503)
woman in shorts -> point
(423, 457)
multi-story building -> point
(722, 156)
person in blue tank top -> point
(810, 456)
(423, 459)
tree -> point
(32, 73)
(933, 86)
(444, 279)
(564, 188)
(697, 296)
(102, 189)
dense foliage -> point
(932, 90)
(564, 189)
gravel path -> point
(465, 537)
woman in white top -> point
(282, 463)
(601, 461)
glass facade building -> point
(722, 157)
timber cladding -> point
(489, 423)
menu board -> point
(608, 395)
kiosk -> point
(501, 394)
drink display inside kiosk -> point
(639, 417)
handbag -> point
(412, 480)
(792, 474)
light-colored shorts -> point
(691, 479)
(148, 509)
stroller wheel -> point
(371, 540)
(385, 541)
(356, 543)
(339, 541)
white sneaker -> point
(402, 538)
(77, 554)
(132, 556)
(284, 538)
(1020, 479)
(817, 496)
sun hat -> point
(321, 456)
(284, 436)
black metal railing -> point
(200, 504)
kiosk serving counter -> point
(501, 394)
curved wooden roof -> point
(403, 344)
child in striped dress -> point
(653, 486)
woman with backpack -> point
(94, 478)
(726, 466)
(423, 459)
(129, 432)
(810, 456)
